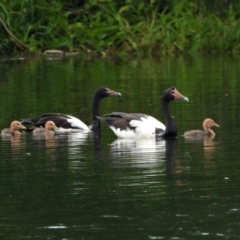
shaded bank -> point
(158, 27)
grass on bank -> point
(104, 26)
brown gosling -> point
(13, 130)
(50, 127)
(208, 123)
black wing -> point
(58, 118)
(121, 120)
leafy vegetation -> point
(129, 26)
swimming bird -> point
(68, 123)
(50, 127)
(138, 125)
(208, 123)
(13, 130)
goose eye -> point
(172, 92)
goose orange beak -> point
(178, 96)
(113, 93)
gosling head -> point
(16, 125)
(209, 123)
(50, 126)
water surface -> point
(77, 187)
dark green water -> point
(67, 187)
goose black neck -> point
(171, 130)
(95, 111)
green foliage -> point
(108, 26)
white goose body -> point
(77, 123)
(66, 123)
(138, 125)
(145, 127)
(74, 125)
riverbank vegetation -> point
(126, 26)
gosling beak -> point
(22, 127)
(216, 125)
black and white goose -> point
(138, 125)
(68, 123)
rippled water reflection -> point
(84, 186)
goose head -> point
(106, 92)
(173, 94)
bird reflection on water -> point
(207, 143)
(15, 141)
(141, 153)
(62, 147)
(15, 152)
(74, 143)
(145, 152)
